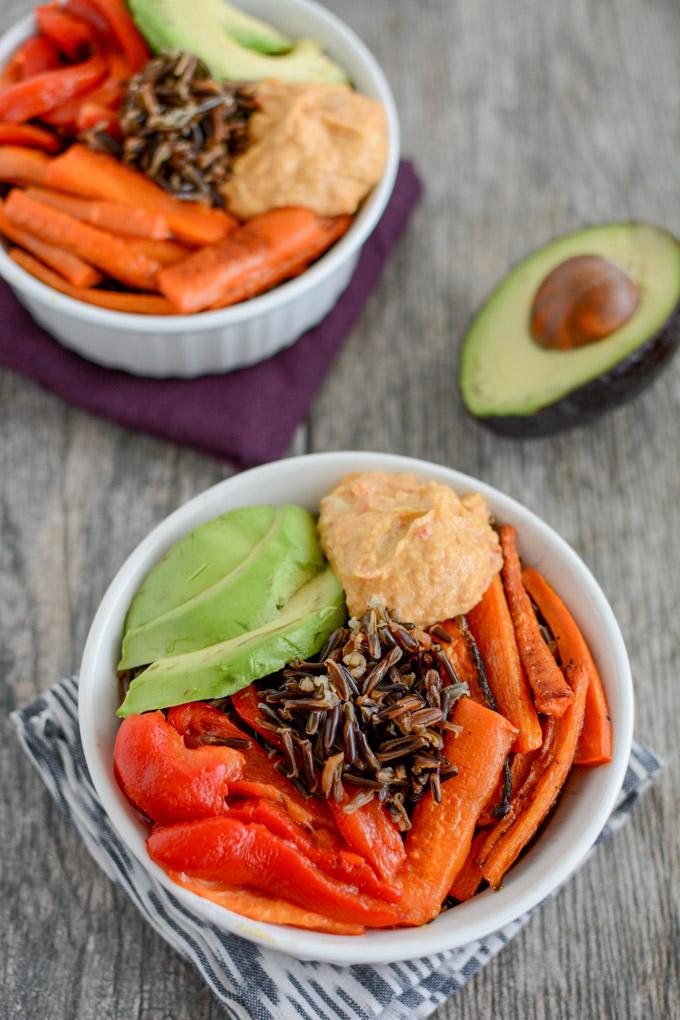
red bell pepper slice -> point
(260, 775)
(110, 18)
(165, 779)
(245, 703)
(228, 850)
(336, 862)
(30, 135)
(72, 36)
(43, 92)
(35, 56)
(371, 833)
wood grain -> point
(525, 119)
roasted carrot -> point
(166, 253)
(140, 304)
(552, 693)
(260, 907)
(595, 744)
(371, 833)
(463, 654)
(492, 629)
(96, 175)
(520, 764)
(535, 799)
(110, 216)
(440, 836)
(269, 249)
(73, 269)
(103, 250)
(20, 165)
(30, 135)
(469, 878)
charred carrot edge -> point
(492, 629)
(90, 174)
(520, 765)
(260, 907)
(69, 266)
(103, 250)
(140, 304)
(557, 762)
(267, 250)
(469, 878)
(595, 744)
(552, 693)
(110, 216)
(440, 836)
(20, 165)
(460, 655)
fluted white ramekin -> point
(208, 342)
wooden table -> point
(525, 119)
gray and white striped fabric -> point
(251, 981)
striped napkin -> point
(249, 980)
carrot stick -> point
(103, 250)
(595, 744)
(551, 769)
(140, 304)
(440, 835)
(73, 269)
(463, 655)
(552, 693)
(259, 906)
(19, 165)
(469, 878)
(520, 766)
(117, 219)
(269, 249)
(96, 175)
(166, 253)
(492, 629)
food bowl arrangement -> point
(206, 341)
(283, 492)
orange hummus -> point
(322, 147)
(426, 553)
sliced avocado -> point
(227, 577)
(307, 621)
(516, 386)
(252, 33)
(208, 29)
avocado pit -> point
(584, 299)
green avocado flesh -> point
(233, 45)
(307, 621)
(227, 577)
(503, 371)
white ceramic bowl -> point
(587, 800)
(192, 345)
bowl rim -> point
(281, 295)
(390, 945)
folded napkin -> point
(246, 417)
(249, 980)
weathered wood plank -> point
(525, 119)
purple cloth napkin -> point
(247, 417)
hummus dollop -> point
(425, 552)
(322, 147)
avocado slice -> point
(233, 45)
(227, 577)
(517, 387)
(307, 621)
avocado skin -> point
(586, 403)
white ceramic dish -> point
(220, 341)
(585, 804)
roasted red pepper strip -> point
(37, 54)
(260, 776)
(225, 849)
(371, 833)
(43, 92)
(71, 36)
(112, 17)
(30, 135)
(440, 836)
(164, 778)
(338, 863)
(245, 703)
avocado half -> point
(515, 386)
